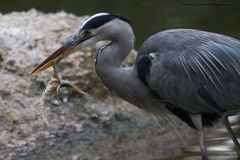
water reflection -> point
(220, 145)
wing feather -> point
(187, 61)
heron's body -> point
(197, 72)
(193, 74)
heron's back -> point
(193, 70)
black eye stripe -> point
(101, 20)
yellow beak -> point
(66, 49)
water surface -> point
(149, 17)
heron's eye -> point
(87, 33)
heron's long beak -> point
(67, 48)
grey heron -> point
(191, 73)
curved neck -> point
(115, 52)
(124, 81)
(109, 59)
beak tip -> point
(33, 74)
(42, 68)
(59, 54)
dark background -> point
(148, 16)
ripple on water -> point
(219, 147)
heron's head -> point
(99, 27)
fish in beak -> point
(66, 49)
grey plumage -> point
(189, 60)
(193, 74)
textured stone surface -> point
(101, 127)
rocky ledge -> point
(102, 127)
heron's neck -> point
(109, 59)
(123, 81)
(108, 63)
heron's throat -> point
(116, 51)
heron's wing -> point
(196, 75)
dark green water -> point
(148, 16)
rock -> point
(25, 130)
(76, 124)
(12, 116)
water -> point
(149, 17)
(219, 146)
